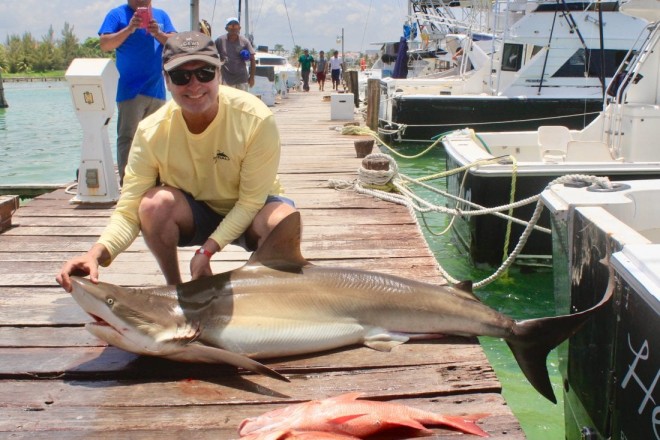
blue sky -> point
(308, 23)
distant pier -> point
(3, 101)
(19, 79)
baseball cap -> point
(231, 20)
(189, 46)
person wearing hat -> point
(139, 46)
(235, 51)
(202, 171)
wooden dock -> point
(57, 381)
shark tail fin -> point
(533, 340)
(537, 338)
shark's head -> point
(145, 321)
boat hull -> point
(611, 368)
(427, 116)
(482, 237)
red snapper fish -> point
(347, 415)
(286, 434)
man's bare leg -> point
(164, 216)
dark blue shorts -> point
(207, 220)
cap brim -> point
(176, 62)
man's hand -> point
(87, 264)
(135, 23)
(200, 266)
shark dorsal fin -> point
(464, 289)
(282, 246)
(465, 286)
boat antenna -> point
(366, 24)
(547, 51)
(602, 47)
(289, 20)
(574, 27)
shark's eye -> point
(110, 301)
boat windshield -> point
(272, 61)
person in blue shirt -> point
(138, 39)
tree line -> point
(27, 54)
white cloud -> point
(315, 23)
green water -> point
(521, 295)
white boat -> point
(426, 29)
(285, 72)
(611, 368)
(621, 143)
(266, 84)
(544, 68)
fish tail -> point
(466, 423)
(537, 338)
(533, 340)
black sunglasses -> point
(183, 77)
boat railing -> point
(625, 79)
(438, 19)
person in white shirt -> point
(335, 69)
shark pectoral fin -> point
(382, 340)
(178, 335)
(203, 353)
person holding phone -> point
(202, 171)
(137, 32)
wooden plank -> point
(8, 206)
(92, 358)
(328, 230)
(315, 217)
(382, 246)
(227, 388)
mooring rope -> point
(383, 184)
(366, 131)
(402, 126)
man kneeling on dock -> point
(202, 171)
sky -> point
(313, 24)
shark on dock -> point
(278, 304)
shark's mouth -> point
(99, 321)
(102, 325)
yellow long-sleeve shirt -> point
(232, 166)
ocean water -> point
(40, 142)
(40, 136)
(521, 295)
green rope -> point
(366, 131)
(509, 224)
